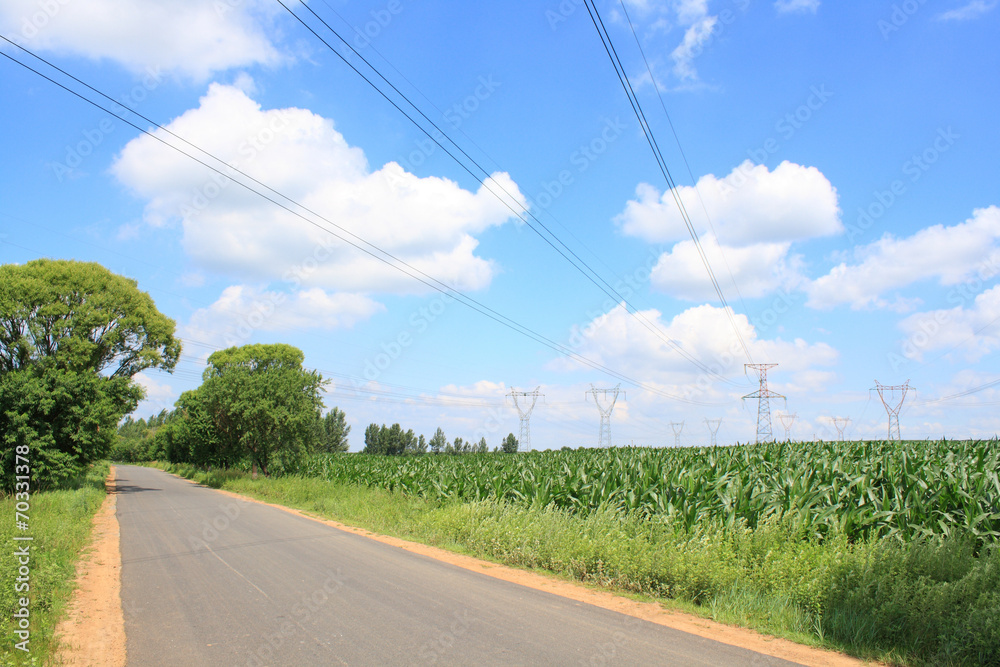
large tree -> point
(332, 431)
(72, 336)
(263, 403)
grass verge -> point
(932, 602)
(60, 523)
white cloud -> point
(750, 205)
(969, 11)
(191, 37)
(621, 341)
(974, 330)
(156, 392)
(758, 269)
(796, 6)
(428, 222)
(241, 309)
(951, 254)
(691, 47)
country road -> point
(208, 579)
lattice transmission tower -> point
(840, 423)
(888, 395)
(604, 437)
(787, 420)
(525, 412)
(713, 428)
(763, 396)
(677, 427)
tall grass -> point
(861, 489)
(60, 523)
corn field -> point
(904, 489)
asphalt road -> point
(211, 580)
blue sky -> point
(837, 162)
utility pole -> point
(525, 413)
(787, 420)
(888, 395)
(763, 396)
(713, 428)
(677, 427)
(604, 437)
(840, 423)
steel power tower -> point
(713, 428)
(525, 413)
(604, 437)
(677, 427)
(787, 420)
(840, 423)
(763, 396)
(888, 395)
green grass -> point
(930, 601)
(60, 523)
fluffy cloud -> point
(618, 340)
(427, 222)
(240, 310)
(974, 330)
(192, 37)
(758, 269)
(952, 255)
(796, 6)
(750, 205)
(695, 38)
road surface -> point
(211, 580)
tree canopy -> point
(262, 403)
(82, 317)
(72, 336)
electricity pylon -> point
(840, 423)
(604, 437)
(888, 394)
(677, 428)
(787, 420)
(713, 427)
(525, 413)
(763, 396)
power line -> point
(661, 163)
(376, 252)
(585, 269)
(677, 139)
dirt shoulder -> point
(93, 632)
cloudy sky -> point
(834, 164)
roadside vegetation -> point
(60, 529)
(883, 550)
